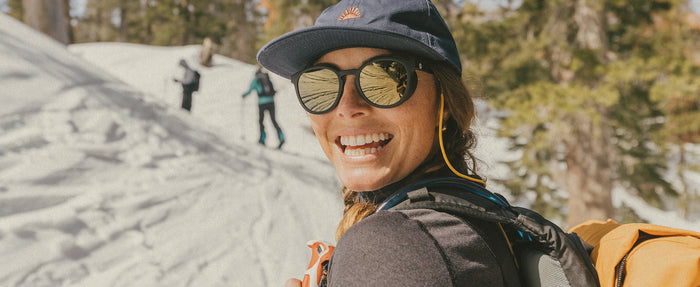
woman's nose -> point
(351, 104)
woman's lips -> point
(363, 144)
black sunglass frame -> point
(411, 81)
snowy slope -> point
(104, 185)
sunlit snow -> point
(103, 183)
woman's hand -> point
(293, 283)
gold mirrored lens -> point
(384, 82)
(318, 89)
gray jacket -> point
(419, 247)
(188, 77)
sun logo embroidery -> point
(349, 14)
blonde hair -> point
(458, 140)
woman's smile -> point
(363, 144)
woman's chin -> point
(366, 181)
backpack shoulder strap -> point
(491, 232)
(548, 256)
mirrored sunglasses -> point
(383, 82)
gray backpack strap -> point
(565, 255)
(547, 256)
(491, 231)
(417, 195)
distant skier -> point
(266, 102)
(190, 84)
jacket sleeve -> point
(254, 86)
(418, 247)
(188, 78)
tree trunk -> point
(123, 21)
(589, 175)
(186, 22)
(559, 54)
(591, 26)
(47, 16)
(243, 42)
(69, 27)
(207, 52)
(686, 195)
(589, 154)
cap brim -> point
(292, 52)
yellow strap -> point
(444, 155)
(442, 146)
(510, 247)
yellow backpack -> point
(639, 254)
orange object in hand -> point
(315, 275)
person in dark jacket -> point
(381, 82)
(188, 85)
(262, 85)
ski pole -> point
(241, 126)
(317, 272)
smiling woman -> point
(408, 127)
(381, 88)
(381, 81)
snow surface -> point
(102, 184)
(104, 181)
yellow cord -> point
(442, 147)
(444, 155)
(510, 246)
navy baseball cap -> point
(411, 26)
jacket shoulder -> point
(419, 247)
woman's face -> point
(410, 127)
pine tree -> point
(98, 22)
(15, 7)
(678, 94)
(576, 78)
(50, 17)
(287, 15)
(238, 28)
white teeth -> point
(362, 151)
(363, 139)
(354, 141)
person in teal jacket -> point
(262, 85)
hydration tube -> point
(442, 146)
(402, 193)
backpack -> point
(545, 255)
(266, 84)
(195, 83)
(640, 254)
